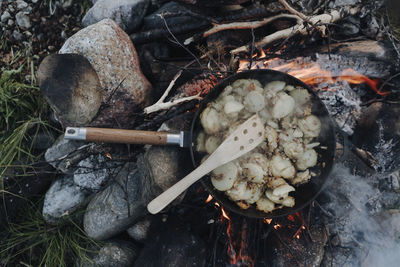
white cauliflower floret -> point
(254, 101)
(265, 115)
(288, 201)
(246, 191)
(293, 149)
(275, 86)
(301, 177)
(275, 198)
(281, 105)
(307, 159)
(253, 172)
(272, 136)
(274, 182)
(265, 205)
(259, 159)
(282, 167)
(232, 108)
(224, 176)
(212, 144)
(200, 142)
(244, 86)
(310, 126)
(300, 96)
(283, 190)
(210, 120)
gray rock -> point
(63, 152)
(5, 16)
(340, 3)
(23, 20)
(10, 22)
(17, 35)
(63, 198)
(21, 4)
(34, 1)
(115, 254)
(114, 58)
(72, 88)
(140, 230)
(173, 247)
(115, 208)
(166, 164)
(118, 206)
(94, 172)
(128, 14)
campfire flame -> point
(209, 198)
(311, 73)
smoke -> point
(355, 203)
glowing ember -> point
(224, 214)
(298, 236)
(312, 74)
(209, 198)
(277, 226)
(268, 221)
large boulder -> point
(128, 14)
(114, 58)
(71, 86)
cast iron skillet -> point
(304, 194)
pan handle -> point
(121, 136)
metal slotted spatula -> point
(245, 138)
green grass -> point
(22, 110)
(30, 241)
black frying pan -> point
(305, 193)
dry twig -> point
(161, 105)
(318, 22)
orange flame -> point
(241, 258)
(209, 198)
(277, 226)
(224, 214)
(312, 74)
(268, 221)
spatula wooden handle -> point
(160, 202)
(116, 136)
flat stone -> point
(17, 35)
(140, 230)
(128, 14)
(23, 20)
(21, 4)
(60, 154)
(117, 253)
(114, 58)
(114, 209)
(5, 16)
(94, 172)
(63, 198)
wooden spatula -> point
(245, 138)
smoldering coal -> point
(356, 223)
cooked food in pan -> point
(266, 176)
